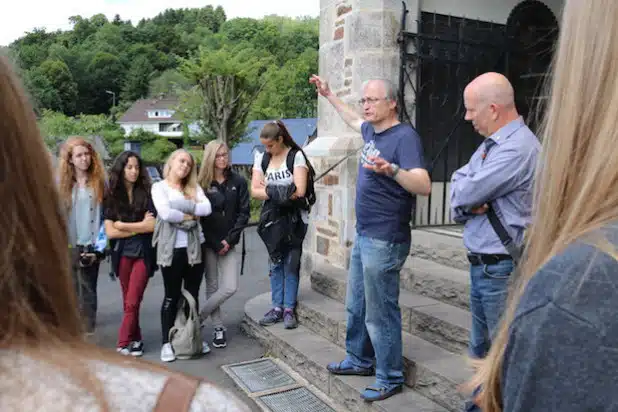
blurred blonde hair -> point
(578, 175)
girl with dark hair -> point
(280, 178)
(129, 222)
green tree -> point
(170, 83)
(42, 92)
(137, 82)
(105, 73)
(117, 56)
(227, 82)
(61, 79)
(288, 94)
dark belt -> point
(482, 259)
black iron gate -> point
(437, 63)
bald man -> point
(498, 176)
(391, 172)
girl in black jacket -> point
(229, 195)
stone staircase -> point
(435, 326)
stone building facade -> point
(359, 41)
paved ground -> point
(240, 347)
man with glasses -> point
(391, 173)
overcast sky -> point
(25, 15)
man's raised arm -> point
(348, 114)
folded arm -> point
(114, 233)
(258, 188)
(162, 204)
(202, 206)
(498, 176)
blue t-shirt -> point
(383, 207)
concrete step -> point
(432, 371)
(440, 246)
(435, 321)
(432, 279)
(308, 353)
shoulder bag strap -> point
(191, 302)
(177, 393)
(505, 238)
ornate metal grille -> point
(438, 62)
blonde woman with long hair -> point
(82, 186)
(228, 193)
(556, 349)
(178, 238)
(45, 363)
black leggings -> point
(173, 278)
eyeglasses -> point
(221, 156)
(370, 100)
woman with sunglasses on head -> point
(280, 178)
(82, 185)
(179, 202)
(129, 222)
(229, 195)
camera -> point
(87, 256)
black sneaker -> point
(136, 348)
(219, 341)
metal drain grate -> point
(295, 400)
(261, 375)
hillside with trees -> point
(224, 72)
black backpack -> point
(310, 192)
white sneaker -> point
(167, 353)
(205, 348)
(123, 351)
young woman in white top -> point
(45, 363)
(286, 168)
(178, 198)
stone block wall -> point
(358, 41)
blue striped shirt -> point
(504, 177)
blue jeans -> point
(372, 303)
(284, 279)
(488, 293)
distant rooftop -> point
(138, 112)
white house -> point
(156, 115)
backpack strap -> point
(177, 393)
(265, 162)
(290, 160)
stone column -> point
(358, 41)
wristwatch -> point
(395, 168)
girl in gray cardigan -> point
(178, 238)
(82, 184)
